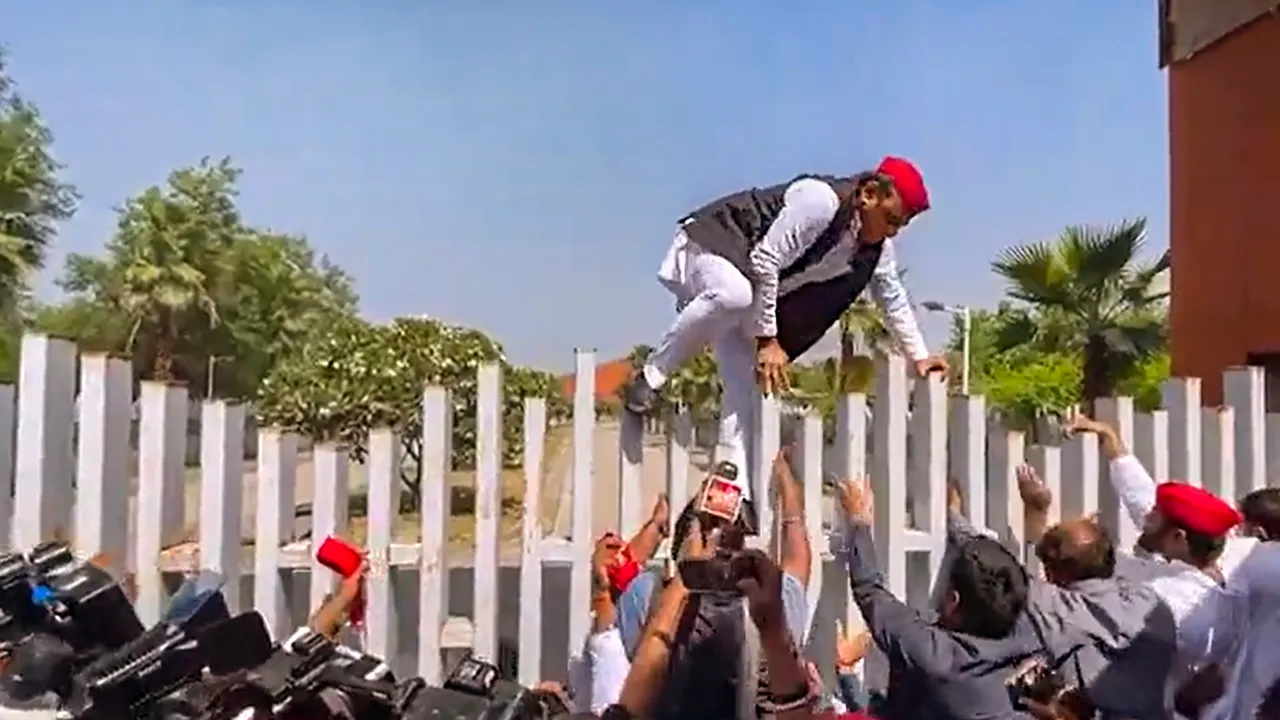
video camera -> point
(56, 614)
(153, 675)
(308, 665)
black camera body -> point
(1038, 681)
(475, 689)
(56, 614)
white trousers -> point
(715, 304)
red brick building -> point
(1223, 63)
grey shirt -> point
(1116, 638)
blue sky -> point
(519, 166)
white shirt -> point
(596, 677)
(1210, 618)
(809, 207)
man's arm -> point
(809, 206)
(1131, 482)
(891, 295)
(897, 630)
(796, 554)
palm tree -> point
(864, 333)
(1089, 293)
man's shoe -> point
(748, 517)
(639, 397)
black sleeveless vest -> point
(813, 291)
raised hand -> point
(1032, 489)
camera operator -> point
(760, 581)
(714, 664)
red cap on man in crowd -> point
(1195, 509)
(908, 181)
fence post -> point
(488, 509)
(1006, 451)
(1047, 461)
(1219, 473)
(530, 646)
(102, 477)
(1151, 442)
(812, 477)
(584, 425)
(162, 436)
(433, 593)
(1181, 398)
(222, 492)
(46, 418)
(381, 630)
(767, 442)
(330, 503)
(8, 420)
(1244, 389)
(889, 481)
(928, 475)
(630, 471)
(678, 444)
(277, 473)
(967, 443)
(1080, 463)
(1118, 413)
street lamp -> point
(966, 332)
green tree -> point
(1028, 388)
(1089, 293)
(193, 293)
(33, 197)
(352, 376)
(165, 264)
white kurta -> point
(1208, 617)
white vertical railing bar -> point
(584, 423)
(630, 470)
(222, 493)
(488, 509)
(156, 477)
(812, 477)
(967, 443)
(1151, 442)
(46, 417)
(330, 502)
(1080, 460)
(768, 424)
(1006, 450)
(277, 472)
(1219, 471)
(928, 472)
(1181, 398)
(1245, 392)
(433, 593)
(1047, 462)
(8, 437)
(678, 442)
(382, 630)
(851, 439)
(1118, 413)
(102, 474)
(530, 645)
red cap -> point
(908, 181)
(1195, 509)
(622, 570)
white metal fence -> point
(539, 609)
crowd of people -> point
(1186, 624)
